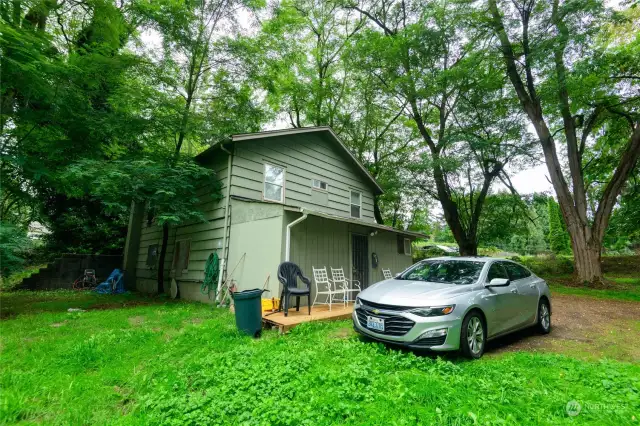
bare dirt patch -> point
(343, 333)
(584, 327)
(120, 305)
(58, 324)
(137, 320)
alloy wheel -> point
(475, 335)
(545, 319)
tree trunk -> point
(467, 247)
(376, 210)
(163, 254)
(586, 253)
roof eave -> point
(356, 222)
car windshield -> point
(445, 271)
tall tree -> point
(61, 62)
(194, 71)
(570, 75)
(303, 59)
(425, 59)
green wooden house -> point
(295, 194)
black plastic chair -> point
(288, 274)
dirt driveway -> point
(582, 327)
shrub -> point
(544, 265)
(563, 265)
(488, 251)
(419, 255)
(13, 246)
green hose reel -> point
(211, 272)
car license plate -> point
(375, 323)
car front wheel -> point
(473, 336)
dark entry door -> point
(360, 259)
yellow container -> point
(270, 304)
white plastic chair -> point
(386, 273)
(324, 286)
(348, 285)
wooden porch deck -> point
(318, 313)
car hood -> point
(411, 293)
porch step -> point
(318, 313)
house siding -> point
(305, 157)
(320, 242)
(255, 246)
(256, 232)
(205, 237)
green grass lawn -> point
(185, 364)
(625, 288)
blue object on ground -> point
(113, 285)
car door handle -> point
(532, 285)
(514, 290)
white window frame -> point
(404, 245)
(264, 182)
(351, 204)
(319, 188)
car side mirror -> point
(498, 282)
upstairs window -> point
(273, 183)
(320, 184)
(356, 204)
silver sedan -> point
(454, 303)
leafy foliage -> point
(163, 362)
(13, 245)
(559, 241)
(168, 190)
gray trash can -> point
(248, 307)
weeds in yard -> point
(101, 368)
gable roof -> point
(325, 130)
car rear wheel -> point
(473, 336)
(544, 317)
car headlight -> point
(357, 302)
(433, 311)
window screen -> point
(407, 246)
(356, 204)
(273, 183)
(319, 184)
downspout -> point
(223, 260)
(288, 239)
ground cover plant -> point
(135, 360)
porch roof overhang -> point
(372, 225)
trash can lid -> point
(247, 294)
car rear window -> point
(445, 271)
